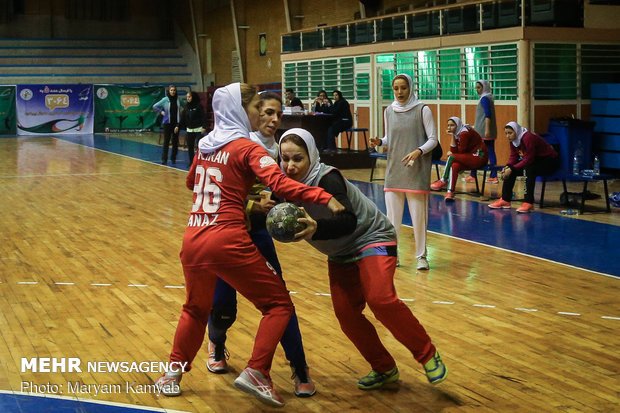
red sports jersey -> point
(216, 231)
(469, 142)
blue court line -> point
(27, 403)
(584, 244)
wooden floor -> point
(89, 268)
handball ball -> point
(107, 129)
(282, 222)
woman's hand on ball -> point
(310, 229)
(335, 206)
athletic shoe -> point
(492, 181)
(449, 197)
(438, 185)
(500, 204)
(169, 384)
(525, 208)
(304, 387)
(436, 371)
(217, 359)
(254, 382)
(422, 263)
(376, 380)
(470, 179)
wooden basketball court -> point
(89, 269)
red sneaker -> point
(500, 204)
(449, 197)
(254, 382)
(470, 179)
(492, 181)
(525, 208)
(304, 387)
(438, 185)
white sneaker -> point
(170, 384)
(254, 382)
(422, 263)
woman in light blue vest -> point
(486, 126)
(170, 109)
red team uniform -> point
(216, 243)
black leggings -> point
(168, 136)
(540, 167)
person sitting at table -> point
(529, 154)
(342, 120)
(322, 103)
(291, 100)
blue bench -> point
(349, 135)
(579, 178)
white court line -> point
(407, 299)
(519, 253)
(323, 294)
(137, 285)
(28, 282)
(443, 302)
(606, 317)
(533, 310)
(565, 313)
(292, 292)
(483, 305)
(174, 286)
(64, 283)
(101, 285)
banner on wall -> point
(126, 109)
(54, 109)
(7, 110)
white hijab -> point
(231, 119)
(267, 142)
(460, 126)
(413, 98)
(313, 154)
(519, 130)
(486, 89)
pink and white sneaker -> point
(254, 382)
(170, 384)
(216, 363)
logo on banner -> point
(130, 100)
(56, 101)
(102, 93)
(26, 94)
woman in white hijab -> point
(360, 245)
(530, 155)
(486, 126)
(467, 151)
(217, 244)
(410, 138)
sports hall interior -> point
(524, 308)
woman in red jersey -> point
(216, 241)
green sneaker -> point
(375, 380)
(436, 371)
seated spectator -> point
(342, 120)
(531, 154)
(467, 151)
(322, 103)
(291, 100)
